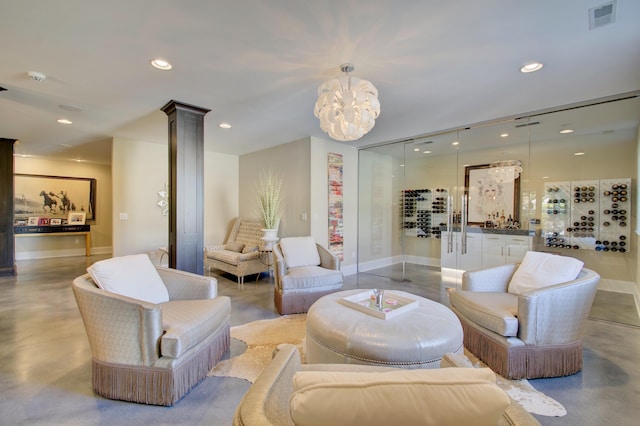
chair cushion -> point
(496, 311)
(226, 256)
(460, 396)
(539, 270)
(306, 277)
(236, 246)
(300, 251)
(188, 322)
(131, 276)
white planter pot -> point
(270, 237)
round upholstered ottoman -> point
(417, 338)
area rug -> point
(262, 337)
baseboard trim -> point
(389, 261)
(48, 254)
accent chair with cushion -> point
(527, 320)
(290, 393)
(240, 254)
(304, 272)
(154, 332)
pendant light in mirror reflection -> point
(506, 170)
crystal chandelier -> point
(347, 107)
(506, 170)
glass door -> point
(484, 195)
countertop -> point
(495, 231)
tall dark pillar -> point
(186, 186)
(7, 242)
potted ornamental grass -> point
(269, 200)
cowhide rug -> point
(262, 337)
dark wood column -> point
(186, 186)
(7, 243)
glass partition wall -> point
(433, 206)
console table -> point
(56, 230)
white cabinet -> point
(517, 247)
(469, 256)
(481, 251)
(501, 249)
(459, 256)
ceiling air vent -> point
(602, 15)
(533, 123)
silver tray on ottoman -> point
(392, 304)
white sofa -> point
(289, 393)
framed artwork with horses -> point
(53, 196)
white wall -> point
(319, 189)
(221, 195)
(41, 247)
(304, 167)
(636, 193)
(291, 161)
(140, 171)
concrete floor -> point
(45, 368)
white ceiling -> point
(257, 65)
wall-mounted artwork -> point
(336, 232)
(493, 192)
(53, 196)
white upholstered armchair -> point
(154, 332)
(527, 320)
(304, 272)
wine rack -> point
(424, 211)
(587, 214)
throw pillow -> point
(249, 249)
(131, 276)
(236, 246)
(451, 396)
(539, 270)
(300, 251)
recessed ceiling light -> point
(161, 64)
(578, 153)
(426, 152)
(455, 143)
(224, 125)
(545, 177)
(566, 131)
(504, 135)
(401, 165)
(64, 121)
(532, 67)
